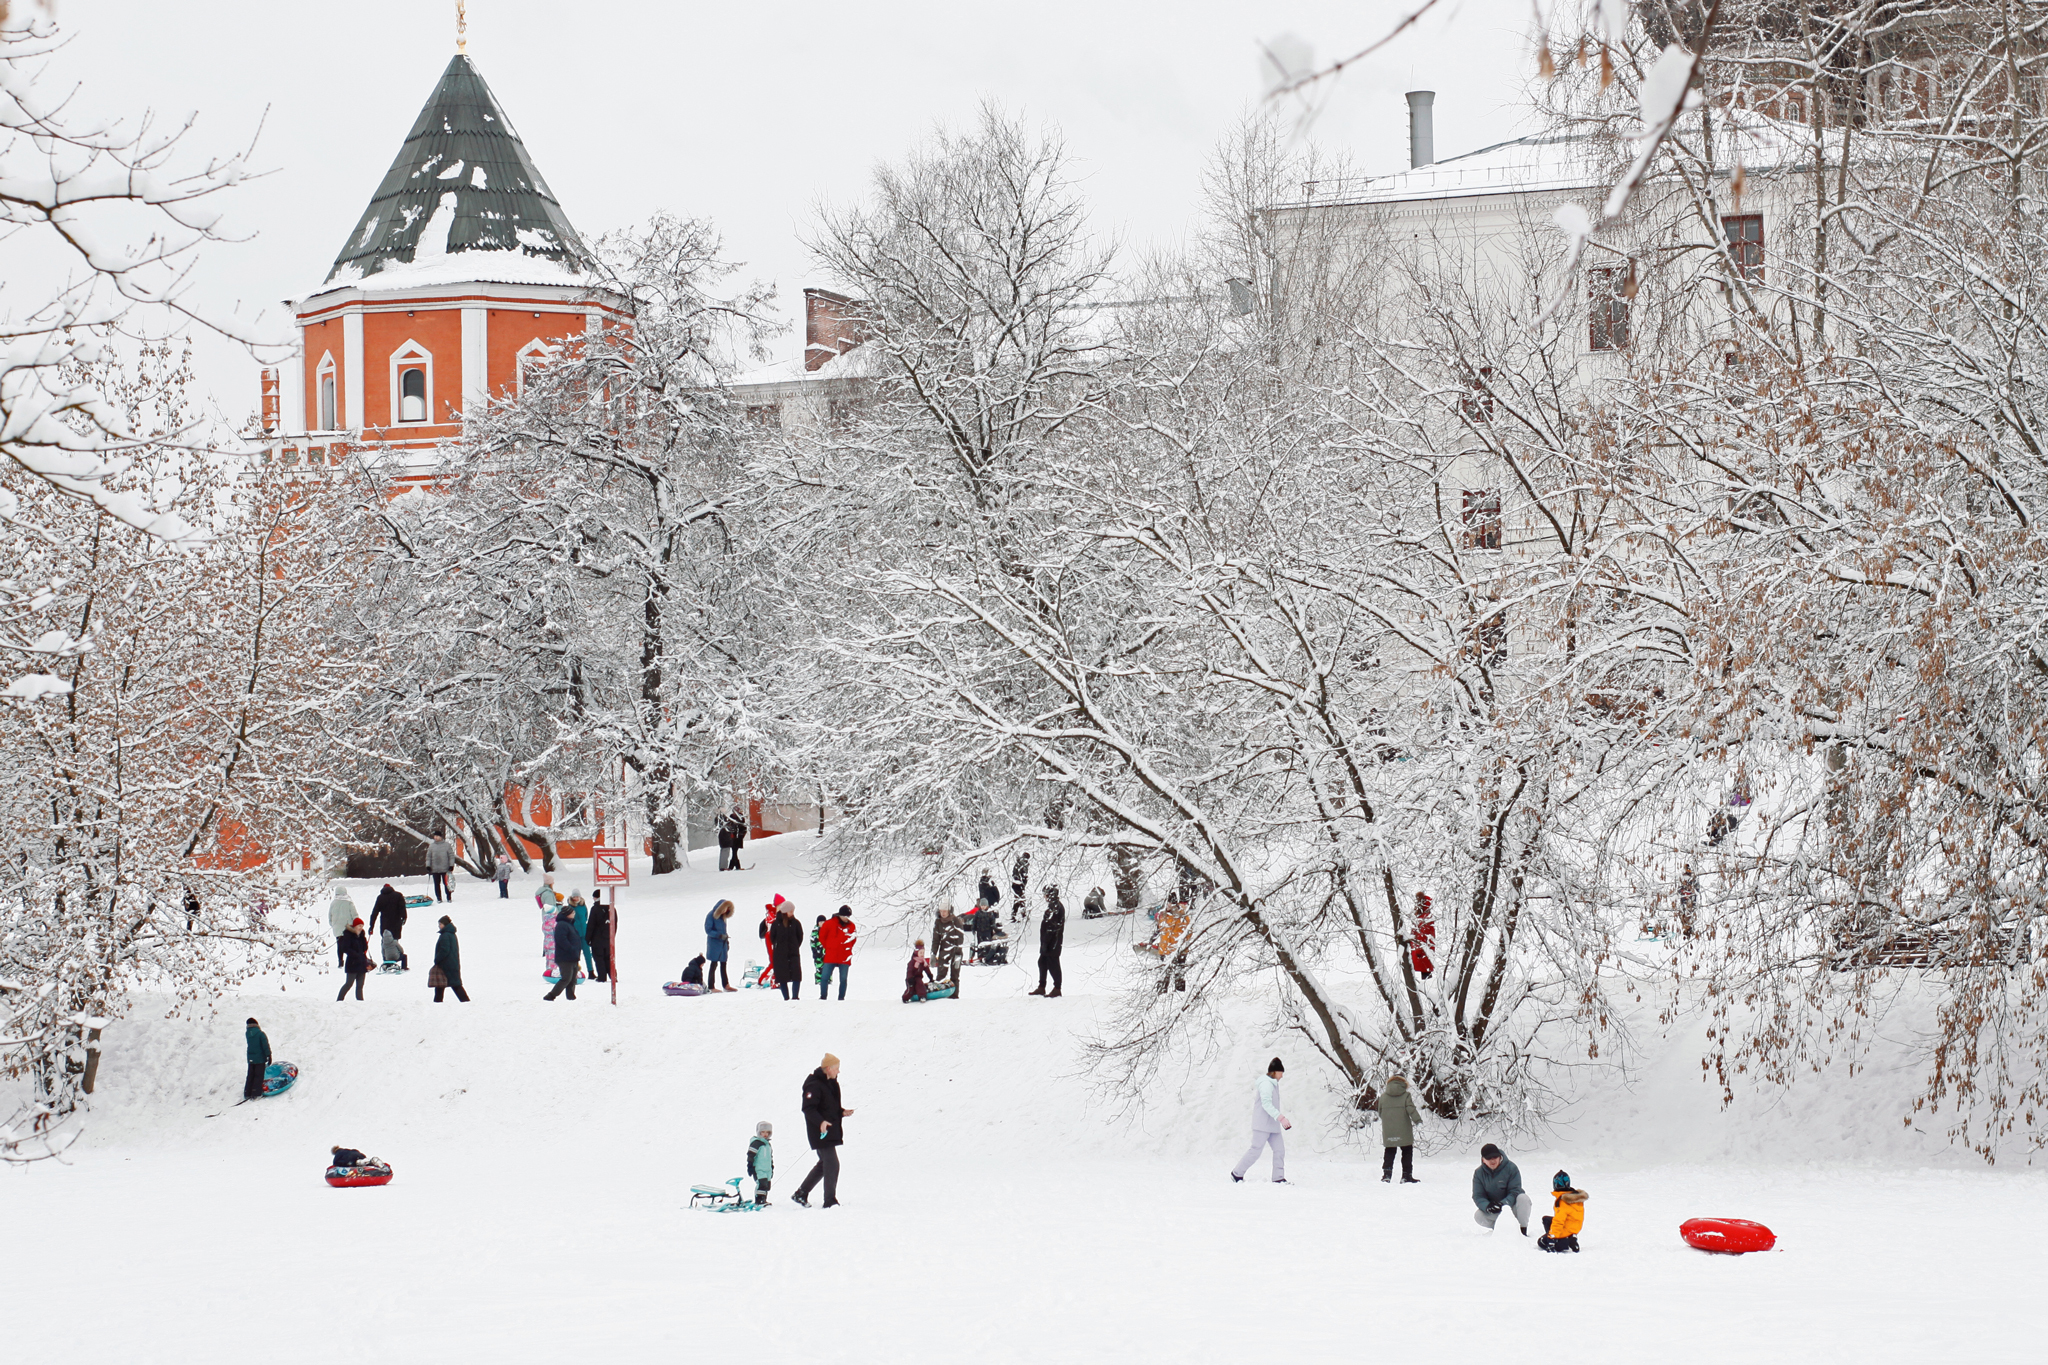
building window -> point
(323, 386)
(1482, 518)
(532, 356)
(412, 385)
(1607, 295)
(1745, 234)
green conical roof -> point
(462, 201)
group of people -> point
(938, 973)
(582, 934)
(388, 915)
(824, 1120)
(1496, 1181)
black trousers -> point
(454, 984)
(354, 979)
(715, 974)
(567, 972)
(340, 954)
(1049, 962)
(442, 884)
(253, 1087)
(1407, 1161)
(827, 1170)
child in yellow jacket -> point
(1561, 1226)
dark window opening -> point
(1482, 519)
(412, 395)
(1745, 234)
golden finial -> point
(461, 28)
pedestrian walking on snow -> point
(1497, 1185)
(504, 877)
(604, 924)
(441, 862)
(786, 943)
(390, 909)
(1020, 877)
(1398, 1117)
(568, 952)
(581, 911)
(341, 912)
(717, 944)
(355, 959)
(839, 934)
(1267, 1125)
(818, 955)
(447, 973)
(761, 1160)
(259, 1059)
(1052, 936)
(949, 941)
(725, 854)
(824, 1122)
(739, 836)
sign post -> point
(611, 867)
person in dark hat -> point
(568, 953)
(259, 1059)
(1497, 1185)
(1267, 1125)
(447, 973)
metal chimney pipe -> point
(1421, 128)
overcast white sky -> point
(751, 114)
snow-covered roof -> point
(462, 203)
(1524, 165)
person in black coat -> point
(1020, 877)
(1052, 936)
(823, 1121)
(986, 893)
(355, 958)
(568, 954)
(601, 917)
(739, 836)
(786, 948)
(390, 908)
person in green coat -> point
(447, 973)
(1398, 1117)
(259, 1059)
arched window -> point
(532, 355)
(326, 410)
(412, 385)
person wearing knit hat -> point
(824, 1120)
(1267, 1123)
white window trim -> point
(538, 351)
(407, 356)
(323, 374)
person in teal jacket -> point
(761, 1160)
(259, 1059)
(581, 909)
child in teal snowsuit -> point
(761, 1160)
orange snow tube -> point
(1731, 1236)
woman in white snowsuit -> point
(1267, 1123)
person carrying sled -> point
(717, 946)
(761, 1160)
(341, 912)
(839, 934)
(1052, 936)
(1497, 1185)
(824, 1118)
(786, 946)
(568, 952)
(355, 959)
(917, 977)
(1267, 1125)
(447, 972)
(1398, 1117)
(1568, 1214)
(948, 943)
(259, 1060)
(440, 864)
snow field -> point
(997, 1206)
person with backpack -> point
(824, 1122)
(447, 972)
(1267, 1125)
(717, 945)
(1052, 936)
(568, 953)
(259, 1060)
(355, 959)
(838, 933)
(440, 863)
(1398, 1117)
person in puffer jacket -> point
(1561, 1226)
(761, 1160)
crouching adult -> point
(1497, 1185)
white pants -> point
(1259, 1140)
(1521, 1208)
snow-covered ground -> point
(997, 1206)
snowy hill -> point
(996, 1203)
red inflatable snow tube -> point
(347, 1177)
(1731, 1236)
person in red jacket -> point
(839, 933)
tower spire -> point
(461, 27)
